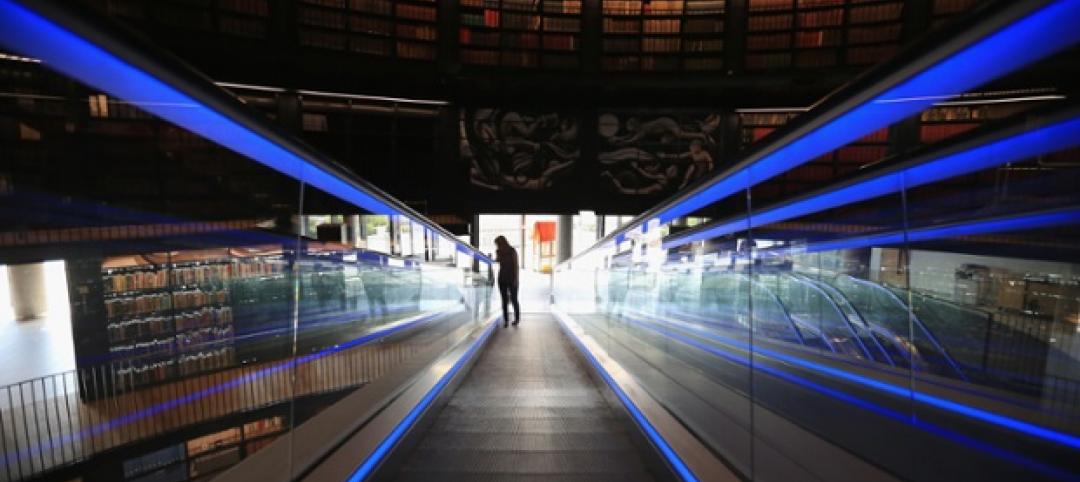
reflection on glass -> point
(927, 308)
(210, 316)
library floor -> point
(34, 349)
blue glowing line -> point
(1040, 34)
(33, 35)
(1052, 138)
(383, 449)
(1026, 428)
(658, 441)
(191, 397)
(1011, 223)
(872, 407)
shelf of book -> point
(520, 33)
(153, 317)
(662, 35)
(234, 18)
(166, 314)
(790, 34)
(755, 126)
(945, 10)
(939, 123)
(404, 29)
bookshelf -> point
(945, 10)
(667, 35)
(233, 18)
(753, 126)
(939, 123)
(803, 34)
(206, 454)
(520, 33)
(167, 315)
(148, 318)
(404, 29)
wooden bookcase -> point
(661, 36)
(404, 29)
(945, 10)
(521, 33)
(804, 34)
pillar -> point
(521, 253)
(355, 230)
(564, 238)
(28, 291)
(474, 240)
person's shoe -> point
(505, 324)
(516, 322)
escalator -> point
(528, 409)
(859, 319)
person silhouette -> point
(508, 279)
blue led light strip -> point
(1036, 36)
(985, 416)
(383, 449)
(658, 441)
(1050, 219)
(1052, 471)
(23, 30)
(1048, 139)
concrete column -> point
(522, 254)
(564, 238)
(356, 234)
(474, 239)
(299, 225)
(28, 291)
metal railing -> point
(45, 424)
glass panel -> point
(910, 295)
(203, 316)
(177, 256)
(678, 320)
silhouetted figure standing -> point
(508, 278)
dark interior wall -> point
(418, 157)
(523, 158)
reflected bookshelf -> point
(147, 318)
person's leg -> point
(503, 293)
(514, 298)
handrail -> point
(836, 308)
(995, 144)
(935, 68)
(838, 297)
(915, 321)
(71, 40)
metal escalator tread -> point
(527, 411)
